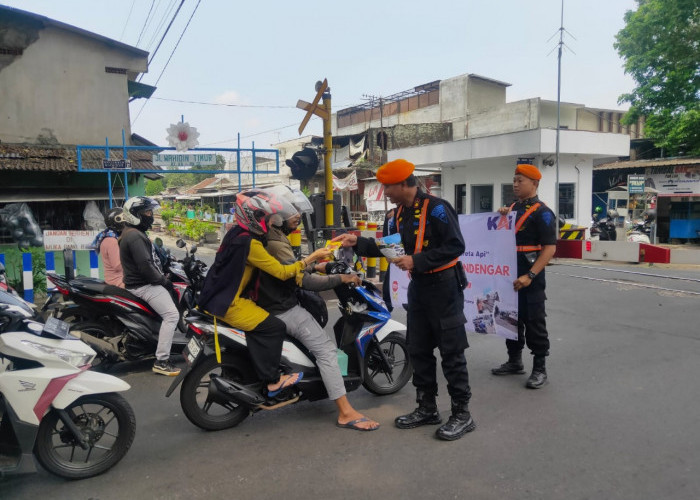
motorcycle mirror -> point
(193, 249)
(180, 243)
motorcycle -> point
(639, 232)
(219, 395)
(116, 323)
(72, 420)
(603, 229)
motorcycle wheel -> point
(109, 424)
(100, 363)
(378, 381)
(197, 404)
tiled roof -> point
(30, 157)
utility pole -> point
(323, 111)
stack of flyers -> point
(391, 246)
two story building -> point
(62, 86)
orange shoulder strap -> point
(527, 214)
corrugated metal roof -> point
(29, 157)
(659, 162)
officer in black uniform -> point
(433, 244)
(536, 241)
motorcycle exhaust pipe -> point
(101, 346)
(228, 390)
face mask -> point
(146, 222)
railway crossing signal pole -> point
(323, 111)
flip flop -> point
(353, 425)
(285, 384)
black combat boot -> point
(459, 423)
(538, 378)
(426, 413)
(514, 366)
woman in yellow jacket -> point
(231, 280)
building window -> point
(461, 198)
(567, 200)
(507, 196)
(482, 198)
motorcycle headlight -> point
(73, 358)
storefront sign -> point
(184, 160)
(75, 240)
(635, 184)
(674, 180)
(490, 303)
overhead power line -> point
(127, 19)
(172, 51)
(143, 28)
(225, 104)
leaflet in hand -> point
(391, 246)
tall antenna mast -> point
(556, 184)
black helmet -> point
(136, 206)
(115, 219)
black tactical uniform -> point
(435, 311)
(537, 230)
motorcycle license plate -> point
(192, 350)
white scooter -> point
(51, 406)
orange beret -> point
(395, 171)
(529, 171)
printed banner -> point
(349, 183)
(674, 180)
(490, 303)
(374, 198)
(60, 240)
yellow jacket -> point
(243, 313)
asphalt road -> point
(618, 420)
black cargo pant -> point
(532, 325)
(436, 319)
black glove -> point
(167, 284)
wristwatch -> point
(531, 275)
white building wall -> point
(58, 87)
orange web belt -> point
(421, 235)
(519, 225)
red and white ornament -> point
(182, 137)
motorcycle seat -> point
(97, 287)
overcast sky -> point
(270, 53)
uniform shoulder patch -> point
(547, 216)
(439, 213)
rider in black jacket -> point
(143, 276)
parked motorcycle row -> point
(57, 406)
(605, 228)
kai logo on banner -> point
(500, 222)
(489, 259)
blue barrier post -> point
(50, 260)
(94, 265)
(27, 277)
(2, 259)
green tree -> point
(154, 187)
(660, 44)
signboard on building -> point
(116, 164)
(674, 180)
(184, 160)
(76, 240)
(635, 184)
